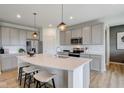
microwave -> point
(76, 41)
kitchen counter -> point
(65, 63)
(78, 68)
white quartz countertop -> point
(67, 63)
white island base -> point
(66, 77)
(79, 78)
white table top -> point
(50, 61)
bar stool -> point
(20, 71)
(29, 72)
(44, 77)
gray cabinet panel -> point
(22, 37)
(14, 36)
(76, 32)
(5, 36)
(62, 38)
(97, 34)
(8, 62)
(86, 34)
(68, 37)
(96, 62)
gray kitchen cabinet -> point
(96, 62)
(68, 37)
(86, 34)
(14, 36)
(5, 36)
(62, 38)
(22, 37)
(76, 32)
(8, 61)
(97, 34)
(29, 35)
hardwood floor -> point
(112, 78)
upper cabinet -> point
(86, 35)
(97, 34)
(68, 37)
(76, 32)
(22, 37)
(5, 36)
(14, 36)
(91, 34)
(62, 38)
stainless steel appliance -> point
(34, 45)
(76, 41)
(76, 52)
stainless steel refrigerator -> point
(34, 45)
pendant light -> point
(34, 33)
(62, 25)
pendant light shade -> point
(62, 25)
(34, 33)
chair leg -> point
(25, 80)
(20, 76)
(53, 83)
(29, 81)
(37, 84)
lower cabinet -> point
(96, 61)
(8, 62)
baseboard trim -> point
(116, 63)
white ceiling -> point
(51, 13)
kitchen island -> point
(70, 72)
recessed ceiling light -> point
(18, 16)
(50, 25)
(71, 17)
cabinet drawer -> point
(96, 62)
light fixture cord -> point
(35, 19)
(62, 12)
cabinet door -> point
(96, 62)
(6, 63)
(22, 37)
(29, 35)
(86, 34)
(68, 37)
(14, 36)
(5, 33)
(97, 34)
(62, 38)
(76, 32)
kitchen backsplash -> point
(12, 49)
(91, 48)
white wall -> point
(50, 40)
